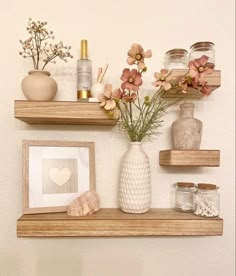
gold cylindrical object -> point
(84, 49)
(84, 72)
(83, 94)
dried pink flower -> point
(106, 98)
(130, 98)
(182, 83)
(131, 79)
(205, 89)
(136, 55)
(162, 79)
(118, 94)
(199, 67)
(186, 81)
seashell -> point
(84, 205)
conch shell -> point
(84, 205)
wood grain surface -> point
(113, 222)
(198, 158)
(61, 112)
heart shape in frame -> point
(60, 177)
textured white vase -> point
(135, 181)
(39, 86)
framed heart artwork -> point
(55, 173)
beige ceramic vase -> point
(187, 131)
(39, 86)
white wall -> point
(111, 27)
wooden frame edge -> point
(25, 171)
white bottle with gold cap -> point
(84, 72)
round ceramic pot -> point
(39, 86)
(135, 181)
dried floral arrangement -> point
(39, 49)
(140, 118)
(194, 78)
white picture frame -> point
(55, 173)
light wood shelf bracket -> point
(194, 158)
(62, 112)
(114, 223)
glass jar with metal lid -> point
(206, 48)
(206, 200)
(176, 59)
(184, 196)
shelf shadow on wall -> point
(50, 127)
(183, 170)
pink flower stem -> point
(131, 114)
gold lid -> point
(177, 52)
(84, 49)
(187, 105)
(206, 186)
(203, 45)
(185, 184)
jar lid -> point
(206, 186)
(204, 45)
(177, 52)
(186, 105)
(185, 184)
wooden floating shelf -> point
(59, 112)
(198, 158)
(213, 80)
(113, 222)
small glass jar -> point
(184, 196)
(199, 49)
(206, 200)
(176, 59)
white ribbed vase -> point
(135, 180)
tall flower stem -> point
(131, 113)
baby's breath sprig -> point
(38, 48)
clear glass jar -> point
(199, 49)
(184, 196)
(206, 201)
(176, 59)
